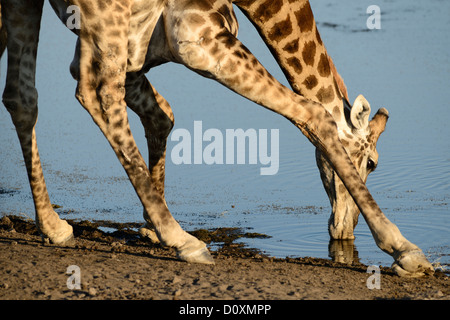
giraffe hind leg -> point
(20, 99)
(101, 91)
(157, 118)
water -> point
(404, 66)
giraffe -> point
(290, 31)
(119, 41)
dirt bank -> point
(120, 265)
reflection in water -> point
(343, 251)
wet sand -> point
(122, 266)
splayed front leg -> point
(410, 261)
(223, 58)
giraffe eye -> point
(371, 165)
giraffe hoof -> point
(201, 255)
(195, 251)
(67, 242)
(64, 236)
(412, 264)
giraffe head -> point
(359, 137)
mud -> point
(115, 263)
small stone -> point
(177, 293)
(92, 291)
(223, 287)
(176, 279)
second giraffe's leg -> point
(22, 21)
(222, 57)
(101, 91)
(157, 118)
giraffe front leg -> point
(157, 118)
(222, 57)
(20, 99)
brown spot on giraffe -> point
(336, 112)
(228, 15)
(196, 19)
(305, 18)
(295, 63)
(202, 6)
(217, 19)
(325, 95)
(268, 9)
(310, 82)
(215, 49)
(281, 30)
(324, 66)
(309, 52)
(292, 47)
(225, 38)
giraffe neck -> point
(289, 30)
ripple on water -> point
(303, 234)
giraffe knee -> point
(102, 98)
(108, 95)
(197, 51)
(193, 54)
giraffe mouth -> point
(342, 222)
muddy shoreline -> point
(119, 265)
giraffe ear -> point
(359, 115)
